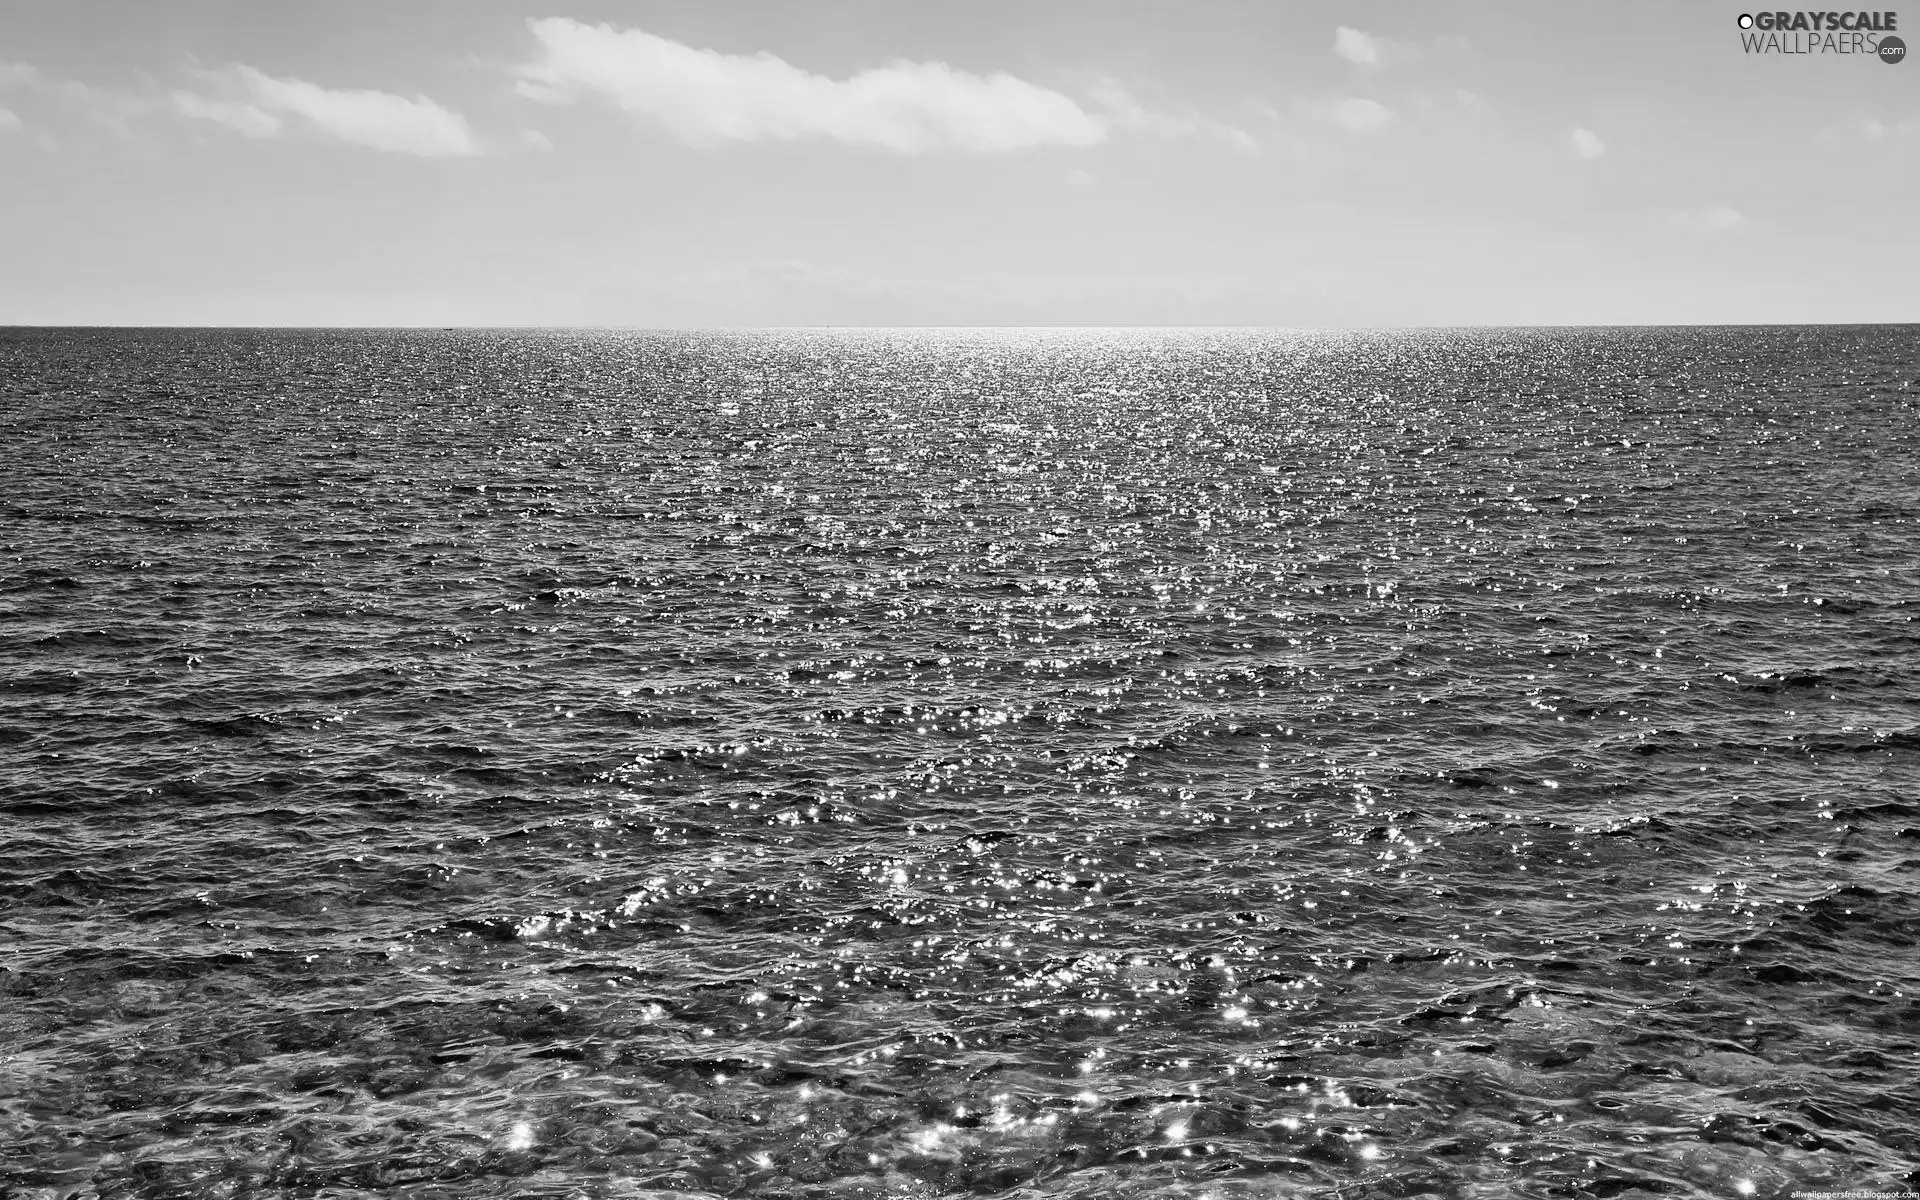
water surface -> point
(927, 764)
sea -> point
(862, 764)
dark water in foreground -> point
(915, 765)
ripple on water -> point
(922, 764)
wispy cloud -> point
(706, 98)
(1718, 219)
(1370, 50)
(1356, 114)
(1587, 143)
(101, 105)
(1121, 111)
(242, 118)
(256, 104)
(9, 121)
(1871, 129)
(1356, 46)
(797, 291)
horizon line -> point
(1069, 326)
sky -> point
(703, 163)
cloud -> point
(242, 118)
(706, 98)
(1356, 47)
(798, 292)
(1587, 143)
(258, 105)
(1366, 50)
(1122, 111)
(102, 105)
(1355, 114)
(1718, 219)
(1871, 129)
(9, 121)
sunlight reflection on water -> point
(913, 764)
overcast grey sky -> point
(1099, 162)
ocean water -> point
(928, 764)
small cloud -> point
(257, 105)
(244, 119)
(1356, 46)
(1470, 100)
(1366, 50)
(102, 105)
(1120, 110)
(1870, 129)
(1355, 114)
(706, 98)
(1080, 178)
(533, 139)
(1718, 219)
(9, 121)
(1587, 143)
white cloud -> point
(1871, 129)
(102, 105)
(380, 120)
(243, 118)
(1718, 219)
(258, 104)
(1368, 50)
(1587, 143)
(9, 121)
(798, 292)
(707, 98)
(1355, 114)
(1122, 111)
(1356, 47)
